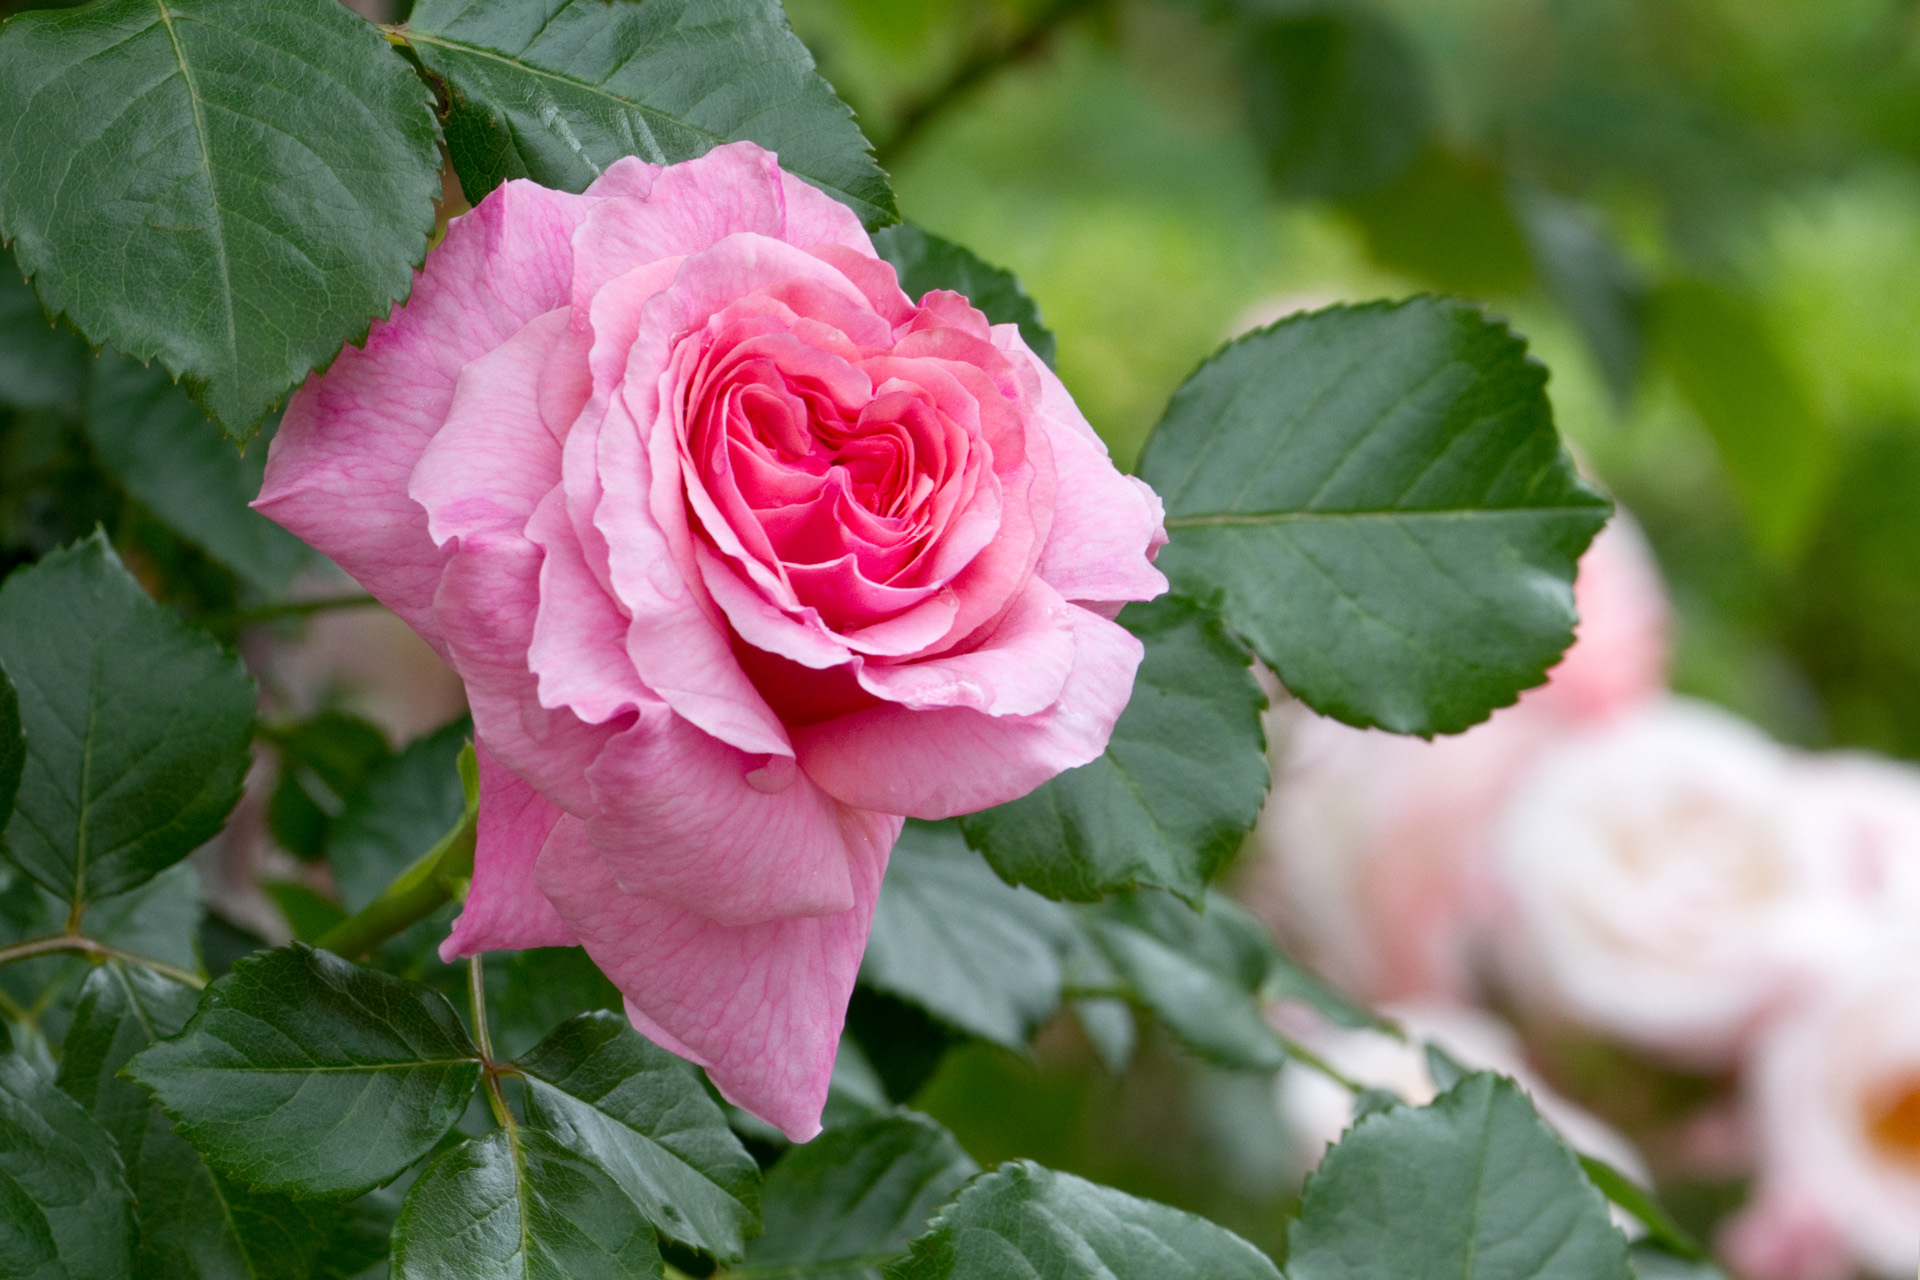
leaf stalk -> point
(75, 944)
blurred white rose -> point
(1670, 879)
(1835, 1092)
(1374, 847)
(1316, 1111)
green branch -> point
(437, 877)
(73, 943)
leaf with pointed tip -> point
(137, 726)
(1378, 502)
(1473, 1186)
(65, 1212)
(1023, 1220)
(925, 261)
(519, 1206)
(190, 1220)
(853, 1198)
(954, 938)
(176, 464)
(41, 366)
(641, 1114)
(304, 1074)
(230, 188)
(557, 90)
(1180, 785)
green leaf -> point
(853, 1198)
(176, 464)
(1180, 785)
(230, 188)
(1199, 973)
(304, 1074)
(41, 366)
(952, 937)
(642, 1115)
(13, 747)
(324, 761)
(1779, 452)
(64, 1206)
(1636, 1200)
(1594, 281)
(190, 1220)
(1447, 220)
(1650, 1262)
(1378, 500)
(137, 725)
(1023, 1220)
(403, 808)
(1473, 1186)
(558, 90)
(530, 992)
(1337, 98)
(926, 261)
(519, 1206)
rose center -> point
(1893, 1121)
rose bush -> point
(743, 556)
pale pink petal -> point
(498, 456)
(1021, 669)
(628, 176)
(684, 818)
(504, 911)
(337, 470)
(1106, 526)
(935, 764)
(578, 650)
(487, 599)
(759, 1006)
(814, 218)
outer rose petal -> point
(760, 1006)
(935, 764)
(1106, 526)
(504, 911)
(337, 470)
(684, 818)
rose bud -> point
(743, 555)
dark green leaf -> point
(955, 939)
(165, 453)
(852, 1199)
(1446, 220)
(1779, 453)
(64, 1206)
(1023, 1220)
(1378, 500)
(641, 1114)
(137, 725)
(530, 992)
(402, 810)
(13, 747)
(926, 261)
(1286, 980)
(1181, 782)
(230, 188)
(41, 367)
(191, 1221)
(1199, 973)
(304, 1074)
(1594, 281)
(519, 1206)
(1650, 1262)
(558, 90)
(323, 762)
(1337, 98)
(1473, 1186)
(308, 913)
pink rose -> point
(1377, 846)
(742, 556)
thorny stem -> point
(977, 68)
(477, 1002)
(74, 943)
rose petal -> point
(504, 911)
(684, 818)
(759, 1006)
(337, 469)
(1020, 669)
(935, 764)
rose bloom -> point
(1375, 846)
(1671, 881)
(1835, 1090)
(742, 555)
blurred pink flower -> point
(1669, 880)
(1375, 846)
(742, 556)
(1835, 1092)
